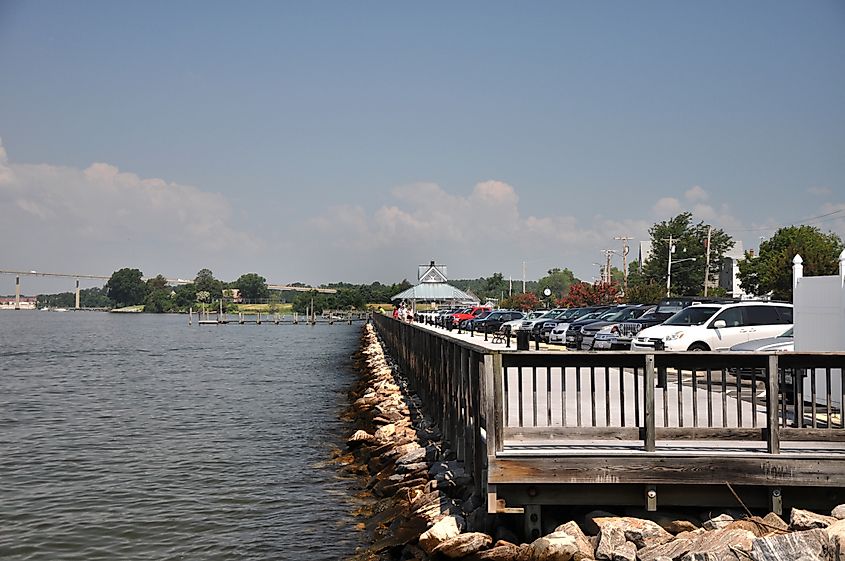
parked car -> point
(608, 336)
(494, 321)
(528, 324)
(666, 308)
(465, 324)
(440, 319)
(573, 331)
(612, 317)
(784, 342)
(513, 325)
(554, 332)
(706, 327)
(543, 328)
(469, 313)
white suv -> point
(706, 327)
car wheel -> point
(698, 347)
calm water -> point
(138, 437)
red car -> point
(469, 313)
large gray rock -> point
(557, 546)
(463, 545)
(642, 533)
(810, 545)
(501, 551)
(585, 548)
(775, 522)
(702, 545)
(836, 533)
(806, 520)
(838, 512)
(717, 522)
(447, 528)
(628, 552)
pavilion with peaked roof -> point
(432, 287)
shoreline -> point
(425, 506)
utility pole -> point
(607, 254)
(523, 277)
(707, 261)
(669, 266)
(625, 249)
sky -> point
(353, 141)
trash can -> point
(522, 340)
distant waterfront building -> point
(433, 287)
(8, 303)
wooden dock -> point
(549, 428)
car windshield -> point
(568, 314)
(482, 315)
(671, 306)
(617, 315)
(694, 315)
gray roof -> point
(434, 291)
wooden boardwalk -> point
(551, 427)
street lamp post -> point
(669, 271)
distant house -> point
(233, 294)
(8, 303)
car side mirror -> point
(719, 324)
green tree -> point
(205, 282)
(644, 293)
(252, 287)
(689, 256)
(185, 296)
(771, 271)
(522, 301)
(158, 298)
(125, 287)
(558, 281)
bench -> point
(498, 336)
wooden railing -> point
(487, 401)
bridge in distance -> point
(176, 281)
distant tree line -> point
(766, 274)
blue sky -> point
(353, 141)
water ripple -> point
(141, 438)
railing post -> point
(649, 440)
(772, 395)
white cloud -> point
(696, 194)
(667, 207)
(80, 219)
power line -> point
(808, 221)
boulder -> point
(838, 512)
(754, 524)
(775, 522)
(445, 529)
(836, 533)
(590, 526)
(702, 545)
(642, 532)
(810, 545)
(806, 520)
(501, 551)
(628, 552)
(359, 437)
(611, 538)
(676, 527)
(463, 545)
(717, 522)
(384, 433)
(557, 546)
(585, 548)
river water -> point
(137, 437)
